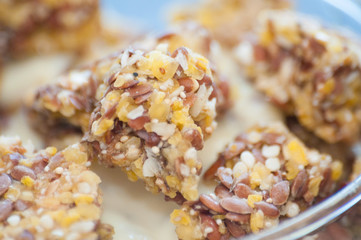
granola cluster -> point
(66, 105)
(48, 194)
(308, 71)
(226, 19)
(265, 175)
(157, 109)
(34, 26)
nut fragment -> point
(5, 182)
(280, 192)
(209, 223)
(242, 190)
(211, 203)
(235, 229)
(267, 208)
(5, 209)
(222, 192)
(21, 171)
(236, 205)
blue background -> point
(150, 14)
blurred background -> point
(152, 14)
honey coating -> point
(48, 194)
(308, 71)
(265, 175)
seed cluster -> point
(48, 195)
(45, 26)
(157, 109)
(67, 104)
(308, 71)
(266, 174)
(227, 19)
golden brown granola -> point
(308, 71)
(266, 174)
(67, 104)
(48, 194)
(35, 26)
(157, 108)
(226, 19)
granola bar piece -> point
(157, 109)
(227, 19)
(67, 104)
(34, 26)
(308, 71)
(264, 175)
(48, 194)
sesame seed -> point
(57, 233)
(219, 221)
(190, 154)
(84, 187)
(182, 95)
(155, 149)
(46, 221)
(268, 224)
(13, 220)
(208, 230)
(82, 227)
(46, 169)
(248, 159)
(124, 138)
(254, 137)
(209, 129)
(239, 168)
(184, 169)
(271, 151)
(292, 209)
(273, 164)
(59, 170)
(192, 212)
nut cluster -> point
(68, 103)
(157, 108)
(48, 194)
(227, 19)
(35, 26)
(265, 174)
(308, 71)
